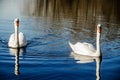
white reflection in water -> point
(88, 59)
(17, 52)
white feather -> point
(83, 48)
(22, 40)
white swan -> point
(17, 40)
(87, 48)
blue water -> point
(48, 55)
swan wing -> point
(11, 40)
(82, 48)
(22, 40)
(89, 46)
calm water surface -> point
(48, 26)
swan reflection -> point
(16, 52)
(88, 59)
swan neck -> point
(16, 36)
(98, 44)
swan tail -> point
(71, 45)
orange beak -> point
(99, 29)
(17, 23)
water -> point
(48, 27)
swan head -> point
(16, 22)
(99, 28)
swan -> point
(17, 39)
(87, 48)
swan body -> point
(17, 39)
(87, 48)
(22, 40)
(83, 48)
